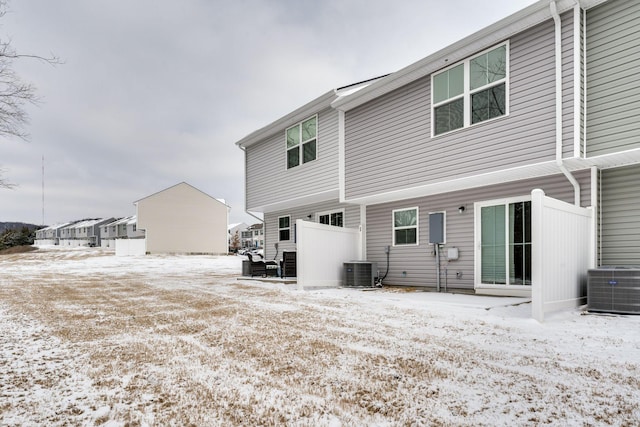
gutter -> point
(558, 58)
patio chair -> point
(262, 267)
(288, 264)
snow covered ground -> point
(87, 338)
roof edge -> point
(323, 101)
(531, 15)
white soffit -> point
(325, 196)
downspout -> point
(558, 63)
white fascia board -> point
(295, 116)
(488, 36)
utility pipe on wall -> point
(558, 64)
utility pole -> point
(43, 190)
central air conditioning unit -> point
(614, 290)
(360, 274)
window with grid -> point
(470, 92)
(302, 142)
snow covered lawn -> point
(87, 338)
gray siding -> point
(388, 142)
(613, 87)
(620, 216)
(267, 178)
(351, 220)
(418, 261)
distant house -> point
(236, 229)
(122, 228)
(50, 235)
(183, 219)
(83, 233)
(253, 237)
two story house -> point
(439, 163)
(183, 219)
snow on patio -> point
(87, 338)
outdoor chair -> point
(288, 264)
(262, 267)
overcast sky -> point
(156, 92)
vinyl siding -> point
(269, 181)
(389, 144)
(351, 220)
(613, 87)
(418, 261)
(620, 216)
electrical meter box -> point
(436, 228)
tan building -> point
(183, 219)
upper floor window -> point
(332, 218)
(284, 228)
(302, 142)
(470, 92)
(405, 226)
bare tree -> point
(15, 94)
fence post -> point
(537, 242)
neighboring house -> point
(122, 228)
(50, 235)
(83, 233)
(253, 237)
(235, 234)
(457, 142)
(183, 219)
(132, 231)
(246, 238)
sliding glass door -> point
(505, 243)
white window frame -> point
(300, 144)
(319, 214)
(394, 228)
(284, 228)
(468, 92)
(477, 209)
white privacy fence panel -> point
(322, 251)
(129, 247)
(74, 243)
(44, 242)
(562, 252)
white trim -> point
(417, 226)
(363, 231)
(341, 155)
(477, 236)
